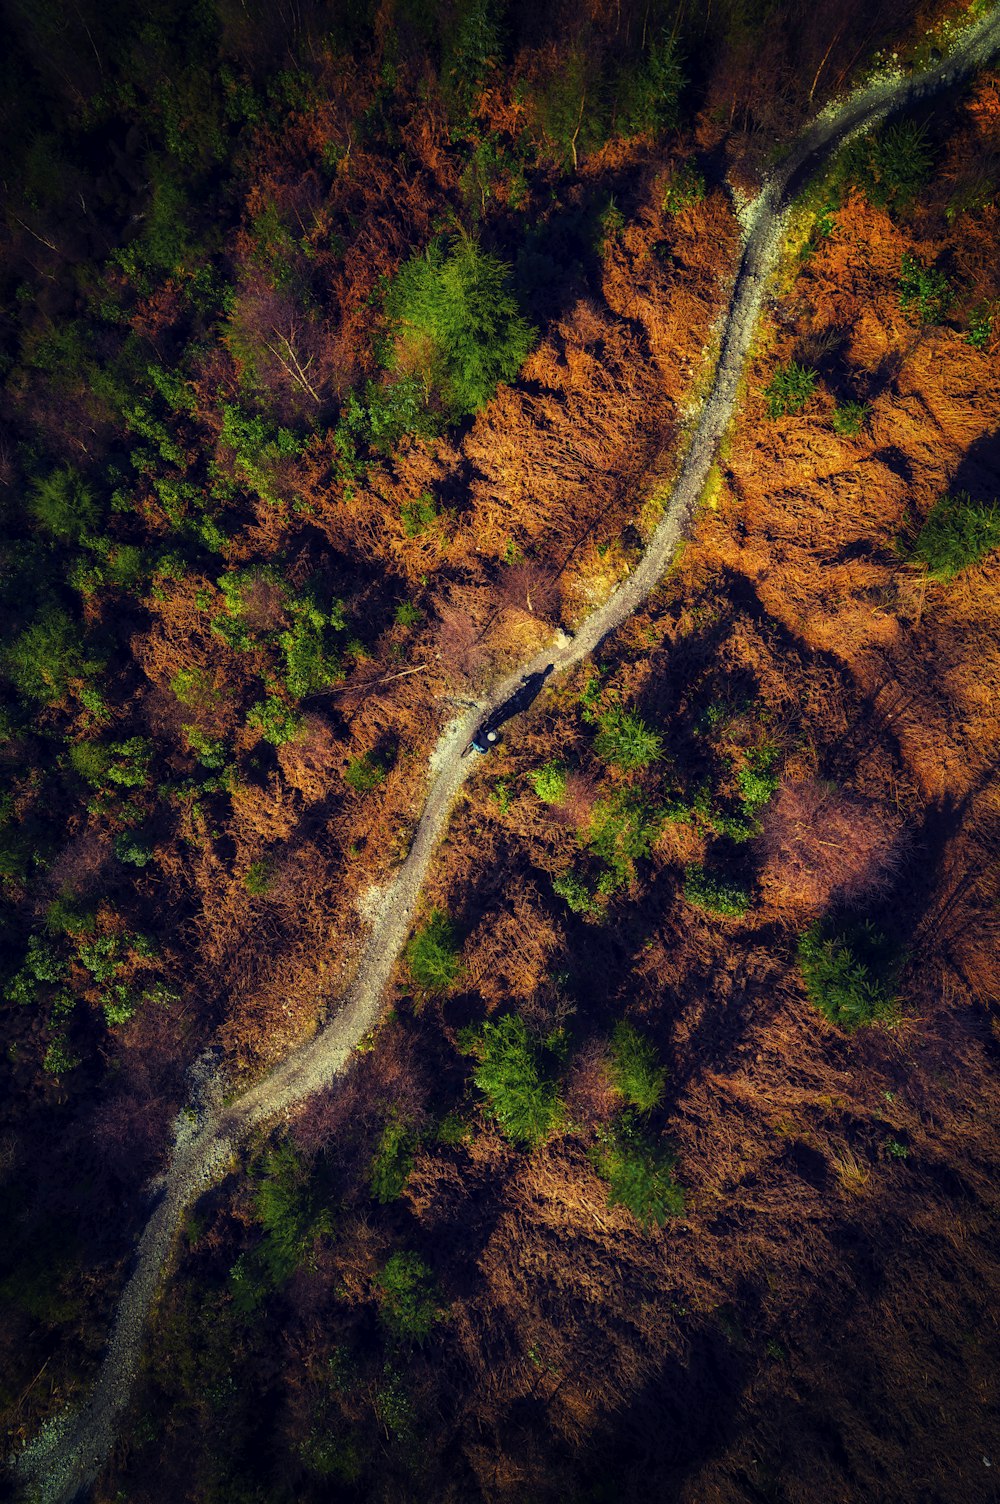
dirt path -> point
(68, 1453)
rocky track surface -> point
(66, 1457)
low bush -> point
(714, 894)
(276, 721)
(453, 310)
(417, 515)
(433, 955)
(409, 1304)
(847, 976)
(575, 893)
(639, 1173)
(64, 506)
(957, 533)
(892, 165)
(519, 1097)
(290, 1215)
(635, 1068)
(549, 782)
(46, 658)
(392, 1161)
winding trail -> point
(67, 1455)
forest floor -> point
(69, 1454)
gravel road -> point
(67, 1455)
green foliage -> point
(549, 782)
(43, 966)
(567, 107)
(132, 850)
(64, 917)
(519, 1097)
(714, 894)
(639, 1172)
(981, 322)
(291, 1215)
(64, 505)
(275, 721)
(925, 294)
(392, 1161)
(791, 387)
(418, 515)
(192, 686)
(257, 449)
(433, 955)
(575, 892)
(623, 827)
(48, 657)
(611, 223)
(407, 614)
(758, 783)
(210, 752)
(685, 188)
(649, 93)
(891, 166)
(472, 47)
(89, 760)
(849, 418)
(364, 773)
(259, 878)
(311, 664)
(409, 1303)
(848, 976)
(635, 1068)
(457, 318)
(128, 762)
(625, 741)
(957, 533)
(60, 1057)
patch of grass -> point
(433, 955)
(364, 773)
(925, 293)
(635, 1068)
(685, 188)
(625, 741)
(849, 418)
(519, 1096)
(714, 894)
(957, 533)
(259, 878)
(848, 976)
(892, 165)
(407, 614)
(790, 389)
(639, 1173)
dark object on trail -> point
(488, 734)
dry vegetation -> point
(400, 1300)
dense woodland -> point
(347, 353)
